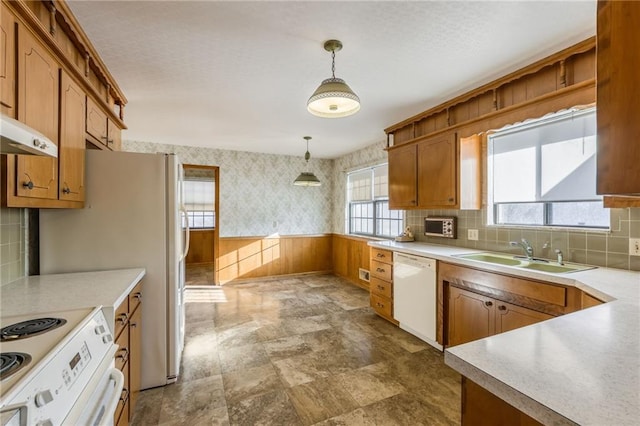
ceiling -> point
(237, 75)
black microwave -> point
(444, 227)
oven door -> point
(98, 402)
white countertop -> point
(580, 368)
(59, 292)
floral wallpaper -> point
(257, 195)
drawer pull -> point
(380, 255)
(123, 354)
(380, 269)
(379, 305)
(122, 318)
(502, 308)
(133, 325)
(380, 287)
(124, 396)
(488, 303)
(138, 296)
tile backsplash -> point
(13, 233)
(600, 248)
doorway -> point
(201, 200)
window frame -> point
(547, 215)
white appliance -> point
(132, 218)
(414, 296)
(57, 368)
(18, 138)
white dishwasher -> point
(414, 296)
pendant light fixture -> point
(307, 178)
(334, 98)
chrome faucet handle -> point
(560, 257)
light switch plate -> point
(472, 234)
(634, 246)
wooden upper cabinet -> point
(403, 169)
(618, 62)
(72, 139)
(437, 171)
(114, 135)
(96, 122)
(38, 72)
(7, 62)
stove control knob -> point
(43, 398)
(47, 422)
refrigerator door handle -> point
(187, 231)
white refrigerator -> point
(132, 218)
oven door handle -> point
(106, 407)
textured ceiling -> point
(236, 75)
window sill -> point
(551, 228)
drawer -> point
(381, 287)
(384, 256)
(382, 305)
(122, 355)
(121, 317)
(135, 297)
(381, 270)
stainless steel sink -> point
(534, 265)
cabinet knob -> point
(451, 199)
(123, 354)
(380, 269)
(488, 303)
(28, 185)
(502, 308)
(122, 318)
(138, 296)
(66, 190)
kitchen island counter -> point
(61, 292)
(580, 368)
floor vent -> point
(363, 274)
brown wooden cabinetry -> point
(38, 74)
(618, 61)
(430, 174)
(101, 130)
(381, 285)
(72, 141)
(7, 62)
(128, 329)
(471, 316)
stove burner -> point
(24, 329)
(11, 362)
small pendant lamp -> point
(307, 178)
(334, 98)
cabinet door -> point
(437, 170)
(115, 136)
(510, 317)
(72, 139)
(7, 62)
(96, 122)
(471, 316)
(135, 360)
(37, 177)
(403, 177)
(618, 98)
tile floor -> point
(299, 351)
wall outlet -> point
(363, 274)
(472, 234)
(634, 246)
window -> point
(543, 173)
(368, 198)
(199, 195)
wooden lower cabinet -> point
(473, 316)
(480, 407)
(381, 283)
(128, 331)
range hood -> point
(18, 138)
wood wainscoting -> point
(350, 253)
(254, 257)
(201, 246)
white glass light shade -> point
(307, 179)
(333, 99)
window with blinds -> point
(368, 204)
(199, 201)
(543, 173)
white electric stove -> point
(57, 368)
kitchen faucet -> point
(525, 246)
